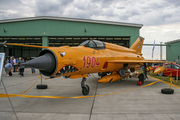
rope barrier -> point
(176, 86)
(3, 95)
(32, 85)
(30, 96)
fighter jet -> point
(111, 62)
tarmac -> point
(120, 100)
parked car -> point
(170, 67)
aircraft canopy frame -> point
(95, 44)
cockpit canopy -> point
(95, 44)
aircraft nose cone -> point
(45, 62)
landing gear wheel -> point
(88, 87)
(41, 86)
(85, 90)
(167, 91)
(142, 81)
(141, 78)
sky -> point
(160, 18)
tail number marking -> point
(90, 62)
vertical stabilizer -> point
(137, 45)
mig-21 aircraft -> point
(111, 62)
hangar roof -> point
(174, 41)
(72, 19)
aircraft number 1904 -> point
(90, 62)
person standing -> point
(18, 65)
(6, 61)
(33, 69)
(21, 60)
(11, 61)
(15, 64)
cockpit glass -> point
(92, 44)
(84, 43)
(95, 44)
(99, 43)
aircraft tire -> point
(41, 86)
(141, 78)
(142, 81)
(167, 91)
(85, 90)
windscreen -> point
(95, 44)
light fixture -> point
(4, 30)
(84, 29)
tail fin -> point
(137, 45)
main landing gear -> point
(85, 88)
(143, 75)
(141, 78)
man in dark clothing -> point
(21, 60)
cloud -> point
(175, 3)
(51, 8)
(159, 17)
(160, 33)
(147, 52)
(10, 9)
(147, 12)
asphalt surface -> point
(120, 100)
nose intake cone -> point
(45, 62)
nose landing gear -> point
(85, 88)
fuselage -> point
(84, 60)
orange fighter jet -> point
(110, 61)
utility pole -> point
(160, 50)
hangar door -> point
(75, 41)
(18, 51)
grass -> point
(164, 78)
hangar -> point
(59, 31)
(173, 47)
